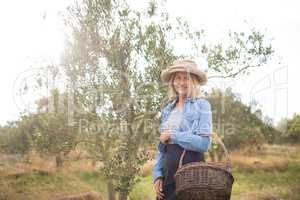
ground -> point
(272, 174)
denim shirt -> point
(194, 133)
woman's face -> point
(181, 83)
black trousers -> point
(171, 162)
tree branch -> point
(233, 75)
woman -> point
(186, 124)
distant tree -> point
(292, 130)
(237, 124)
(51, 134)
(14, 139)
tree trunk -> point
(59, 161)
(94, 162)
(110, 190)
(123, 195)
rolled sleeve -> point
(158, 167)
(198, 137)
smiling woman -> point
(186, 125)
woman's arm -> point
(158, 167)
(191, 141)
(198, 138)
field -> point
(271, 174)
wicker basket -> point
(204, 181)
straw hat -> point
(184, 66)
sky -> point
(32, 34)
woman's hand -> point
(158, 188)
(165, 136)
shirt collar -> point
(173, 103)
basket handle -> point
(220, 142)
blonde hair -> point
(193, 87)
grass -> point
(263, 185)
(143, 190)
(95, 181)
(259, 185)
(271, 174)
(35, 186)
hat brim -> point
(167, 73)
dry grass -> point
(37, 162)
(253, 163)
(37, 178)
(7, 192)
(10, 166)
(258, 196)
(83, 196)
(85, 165)
(268, 174)
(269, 158)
